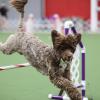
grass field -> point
(28, 84)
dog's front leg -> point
(64, 84)
(67, 73)
(9, 46)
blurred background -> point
(41, 16)
(85, 14)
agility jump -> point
(44, 58)
(67, 26)
(82, 85)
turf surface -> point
(28, 84)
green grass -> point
(28, 84)
(92, 43)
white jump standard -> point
(70, 25)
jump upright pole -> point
(67, 26)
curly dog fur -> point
(44, 58)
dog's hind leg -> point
(9, 46)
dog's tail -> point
(19, 5)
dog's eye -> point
(72, 48)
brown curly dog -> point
(44, 58)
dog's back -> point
(34, 50)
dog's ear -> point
(57, 38)
(54, 34)
(78, 38)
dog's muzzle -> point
(68, 59)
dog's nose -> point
(70, 58)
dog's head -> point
(65, 46)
